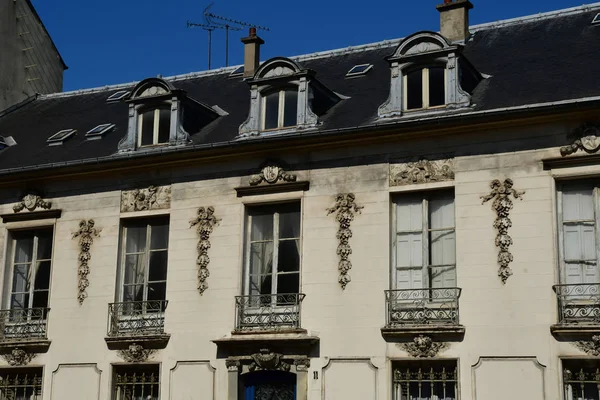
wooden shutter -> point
(442, 246)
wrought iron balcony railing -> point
(268, 312)
(434, 306)
(24, 323)
(137, 318)
(578, 303)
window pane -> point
(42, 276)
(136, 238)
(442, 248)
(261, 258)
(135, 269)
(260, 284)
(441, 211)
(21, 278)
(40, 299)
(19, 301)
(289, 256)
(290, 108)
(23, 248)
(437, 86)
(271, 110)
(159, 236)
(133, 293)
(578, 203)
(414, 90)
(164, 125)
(289, 224)
(157, 291)
(158, 266)
(44, 245)
(148, 128)
(262, 227)
(288, 283)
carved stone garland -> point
(153, 198)
(591, 347)
(31, 202)
(267, 360)
(345, 208)
(501, 192)
(18, 357)
(205, 221)
(423, 347)
(271, 173)
(588, 141)
(136, 353)
(86, 234)
(422, 171)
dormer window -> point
(428, 74)
(280, 109)
(425, 88)
(154, 126)
(285, 98)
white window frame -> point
(147, 251)
(155, 128)
(280, 110)
(55, 139)
(102, 129)
(276, 240)
(424, 89)
(595, 186)
(425, 231)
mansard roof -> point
(543, 59)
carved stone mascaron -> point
(267, 360)
(152, 198)
(31, 202)
(422, 171)
(423, 347)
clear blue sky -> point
(116, 41)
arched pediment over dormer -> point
(152, 87)
(277, 67)
(421, 43)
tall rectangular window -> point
(138, 382)
(21, 384)
(578, 219)
(425, 380)
(144, 258)
(581, 379)
(273, 250)
(424, 242)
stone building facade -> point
(181, 242)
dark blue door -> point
(268, 385)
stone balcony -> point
(578, 311)
(141, 322)
(432, 312)
(24, 328)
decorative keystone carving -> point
(423, 347)
(302, 365)
(422, 171)
(266, 360)
(232, 365)
(591, 347)
(205, 221)
(153, 198)
(345, 208)
(136, 353)
(31, 202)
(501, 192)
(18, 357)
(588, 141)
(271, 173)
(86, 234)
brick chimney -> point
(454, 19)
(251, 53)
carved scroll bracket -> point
(422, 171)
(588, 140)
(205, 221)
(502, 204)
(136, 353)
(18, 357)
(86, 234)
(152, 198)
(345, 209)
(31, 202)
(423, 347)
(591, 347)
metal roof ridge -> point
(536, 17)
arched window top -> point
(152, 87)
(421, 43)
(277, 67)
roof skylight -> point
(59, 137)
(596, 19)
(237, 72)
(118, 95)
(100, 130)
(7, 141)
(360, 69)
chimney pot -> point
(251, 52)
(454, 19)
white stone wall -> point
(507, 352)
